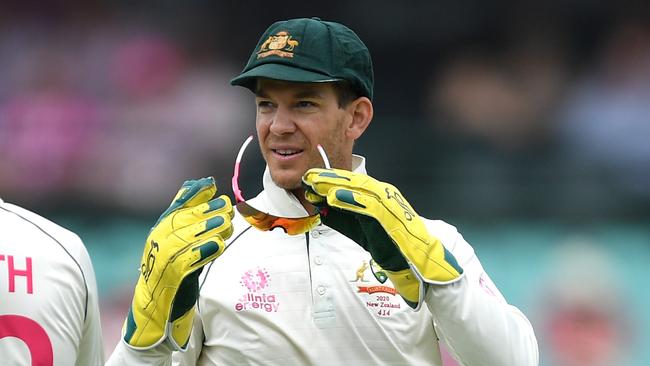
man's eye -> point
(305, 104)
(264, 104)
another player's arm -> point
(91, 348)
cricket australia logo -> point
(280, 44)
(257, 297)
(380, 298)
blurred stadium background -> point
(525, 124)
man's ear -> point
(362, 112)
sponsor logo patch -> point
(257, 296)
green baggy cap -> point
(309, 50)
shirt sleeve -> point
(474, 320)
(161, 355)
(123, 355)
(91, 350)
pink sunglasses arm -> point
(235, 185)
(235, 176)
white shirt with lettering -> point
(49, 312)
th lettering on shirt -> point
(18, 270)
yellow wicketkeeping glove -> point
(188, 235)
(376, 216)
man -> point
(355, 277)
(49, 312)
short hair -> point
(345, 93)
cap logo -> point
(279, 44)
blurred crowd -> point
(544, 117)
(533, 129)
(112, 115)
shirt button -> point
(315, 234)
(318, 260)
(321, 290)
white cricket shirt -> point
(49, 313)
(312, 299)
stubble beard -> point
(295, 183)
(289, 185)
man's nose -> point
(282, 122)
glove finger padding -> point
(187, 236)
(426, 252)
(364, 230)
(191, 193)
(189, 229)
(386, 218)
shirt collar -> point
(280, 202)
